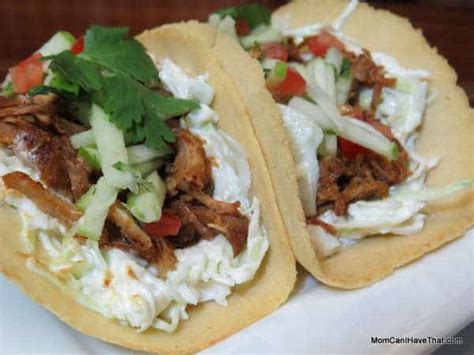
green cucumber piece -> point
(141, 153)
(328, 147)
(146, 205)
(86, 199)
(343, 86)
(91, 156)
(111, 146)
(60, 42)
(83, 139)
(148, 167)
(91, 223)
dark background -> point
(26, 24)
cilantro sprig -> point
(112, 72)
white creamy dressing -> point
(402, 108)
(120, 285)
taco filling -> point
(351, 117)
(131, 198)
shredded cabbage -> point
(305, 137)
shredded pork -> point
(46, 201)
(202, 217)
(191, 170)
(38, 136)
(366, 73)
(368, 176)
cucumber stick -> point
(328, 147)
(91, 223)
(141, 153)
(85, 200)
(324, 75)
(343, 86)
(312, 111)
(140, 157)
(349, 128)
(146, 205)
(111, 146)
(60, 42)
(334, 57)
(83, 139)
(91, 156)
(148, 167)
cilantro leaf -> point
(154, 126)
(107, 46)
(77, 70)
(167, 107)
(121, 98)
(253, 14)
(60, 83)
(128, 101)
(42, 90)
(345, 68)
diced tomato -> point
(78, 45)
(168, 225)
(27, 74)
(320, 43)
(292, 85)
(275, 50)
(242, 28)
(349, 149)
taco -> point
(366, 135)
(143, 212)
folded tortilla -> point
(208, 322)
(446, 131)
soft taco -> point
(143, 212)
(379, 169)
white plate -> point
(431, 297)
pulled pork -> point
(201, 216)
(367, 73)
(33, 129)
(368, 176)
(191, 170)
(46, 201)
